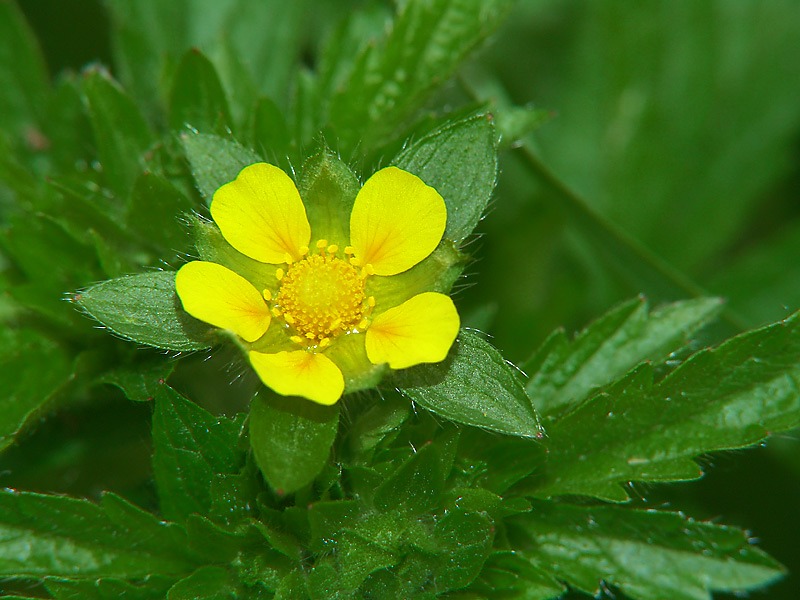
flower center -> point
(322, 296)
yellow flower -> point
(324, 316)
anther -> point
(321, 244)
(354, 261)
(288, 318)
(349, 250)
(267, 295)
(287, 258)
(333, 249)
(276, 311)
(362, 325)
(310, 335)
(371, 301)
(324, 342)
(336, 324)
(279, 274)
(303, 250)
(297, 339)
(369, 269)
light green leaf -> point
(193, 452)
(27, 387)
(215, 161)
(145, 308)
(389, 81)
(291, 438)
(459, 160)
(474, 386)
(634, 430)
(23, 74)
(207, 583)
(197, 100)
(43, 535)
(562, 373)
(120, 131)
(648, 554)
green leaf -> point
(459, 160)
(145, 308)
(563, 373)
(463, 540)
(207, 583)
(474, 386)
(154, 214)
(120, 131)
(27, 387)
(417, 484)
(509, 575)
(106, 588)
(197, 100)
(291, 438)
(139, 382)
(389, 81)
(270, 132)
(648, 554)
(215, 161)
(23, 74)
(193, 452)
(728, 397)
(43, 535)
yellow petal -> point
(300, 373)
(420, 330)
(217, 295)
(261, 214)
(396, 221)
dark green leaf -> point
(145, 308)
(562, 373)
(509, 575)
(459, 160)
(45, 535)
(475, 386)
(270, 131)
(389, 81)
(728, 397)
(154, 213)
(291, 438)
(649, 555)
(215, 161)
(207, 583)
(27, 387)
(463, 543)
(417, 484)
(108, 589)
(197, 100)
(23, 74)
(120, 131)
(193, 450)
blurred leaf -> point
(197, 100)
(107, 588)
(729, 397)
(140, 381)
(120, 131)
(291, 438)
(193, 452)
(23, 74)
(563, 372)
(44, 535)
(474, 386)
(154, 213)
(28, 388)
(145, 308)
(270, 132)
(207, 583)
(649, 555)
(459, 161)
(215, 161)
(389, 81)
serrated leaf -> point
(27, 388)
(197, 100)
(562, 373)
(390, 80)
(474, 386)
(145, 308)
(291, 438)
(44, 535)
(459, 160)
(23, 74)
(192, 450)
(731, 396)
(120, 131)
(648, 554)
(215, 161)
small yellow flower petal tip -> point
(328, 304)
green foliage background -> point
(645, 148)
